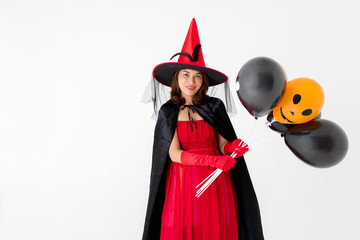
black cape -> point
(214, 113)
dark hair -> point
(199, 98)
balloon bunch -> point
(293, 109)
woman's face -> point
(190, 82)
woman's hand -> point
(233, 146)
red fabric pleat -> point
(213, 216)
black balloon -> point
(262, 83)
(319, 143)
(282, 127)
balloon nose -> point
(292, 113)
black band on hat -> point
(182, 53)
(195, 55)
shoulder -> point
(214, 100)
(216, 104)
(168, 106)
(212, 108)
(167, 110)
(166, 121)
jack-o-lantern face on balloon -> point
(302, 102)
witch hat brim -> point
(191, 57)
(165, 71)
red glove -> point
(224, 162)
(230, 147)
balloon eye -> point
(307, 112)
(296, 99)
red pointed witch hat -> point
(191, 57)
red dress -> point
(212, 216)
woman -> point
(191, 134)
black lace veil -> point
(158, 94)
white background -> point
(76, 143)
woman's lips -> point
(190, 88)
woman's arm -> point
(224, 162)
(175, 150)
(221, 141)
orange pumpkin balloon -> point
(302, 102)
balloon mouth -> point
(282, 114)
